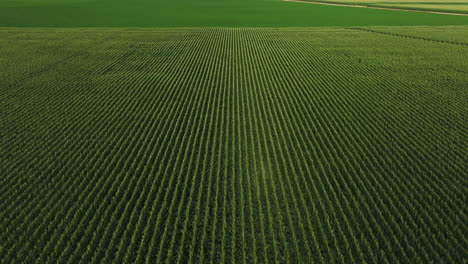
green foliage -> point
(233, 145)
(203, 13)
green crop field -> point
(203, 13)
(453, 6)
(250, 131)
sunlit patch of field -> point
(451, 5)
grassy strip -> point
(393, 6)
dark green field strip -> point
(234, 145)
(205, 13)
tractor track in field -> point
(408, 36)
(46, 68)
(376, 7)
(52, 65)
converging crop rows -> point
(236, 145)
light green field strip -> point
(357, 2)
(456, 6)
(236, 145)
(439, 7)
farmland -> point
(240, 145)
(204, 13)
(222, 131)
(453, 6)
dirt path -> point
(384, 8)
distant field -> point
(238, 145)
(460, 6)
(203, 13)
